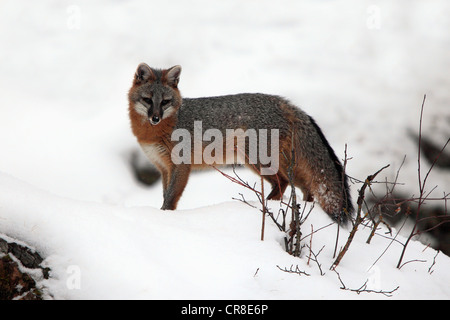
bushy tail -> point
(319, 173)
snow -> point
(360, 68)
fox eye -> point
(148, 100)
(165, 102)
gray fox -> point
(157, 110)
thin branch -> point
(363, 288)
(434, 262)
(296, 271)
(315, 231)
(359, 218)
(263, 202)
(244, 200)
(315, 258)
(423, 196)
(414, 260)
(310, 244)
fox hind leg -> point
(279, 182)
(307, 195)
(279, 185)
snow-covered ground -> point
(360, 68)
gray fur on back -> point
(245, 110)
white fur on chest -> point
(154, 153)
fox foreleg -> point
(176, 180)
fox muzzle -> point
(153, 117)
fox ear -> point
(173, 76)
(144, 73)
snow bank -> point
(103, 251)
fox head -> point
(154, 93)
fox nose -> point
(155, 120)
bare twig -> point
(296, 270)
(345, 200)
(293, 242)
(260, 194)
(364, 288)
(315, 231)
(315, 258)
(359, 218)
(244, 200)
(423, 195)
(310, 244)
(434, 262)
(263, 202)
(414, 260)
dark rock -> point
(28, 258)
(15, 284)
(3, 246)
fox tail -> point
(318, 171)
